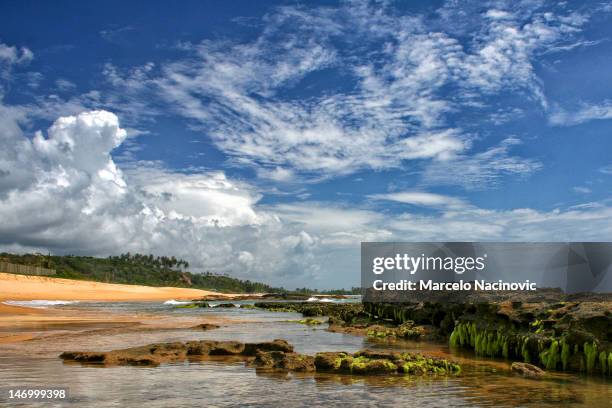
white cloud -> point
(279, 174)
(483, 169)
(585, 113)
(581, 190)
(64, 84)
(64, 192)
(606, 169)
(115, 34)
(11, 55)
(421, 198)
(388, 108)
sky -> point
(266, 140)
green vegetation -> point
(532, 347)
(590, 352)
(138, 269)
(150, 270)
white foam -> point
(318, 299)
(176, 302)
(39, 304)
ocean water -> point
(483, 382)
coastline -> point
(27, 287)
(22, 323)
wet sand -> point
(19, 323)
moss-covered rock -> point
(329, 360)
(193, 305)
(374, 362)
(307, 322)
(283, 361)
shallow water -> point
(213, 383)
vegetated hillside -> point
(137, 269)
(150, 270)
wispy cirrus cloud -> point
(390, 105)
(481, 170)
(422, 198)
(584, 113)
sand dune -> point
(25, 287)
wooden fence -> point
(25, 269)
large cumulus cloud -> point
(63, 192)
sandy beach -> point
(25, 287)
(19, 323)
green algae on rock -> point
(308, 321)
(569, 342)
(193, 305)
(371, 362)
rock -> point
(205, 326)
(527, 370)
(199, 348)
(284, 361)
(387, 355)
(251, 349)
(193, 305)
(227, 348)
(226, 305)
(155, 354)
(342, 311)
(308, 322)
(368, 362)
(364, 365)
(277, 354)
(329, 360)
(408, 330)
(151, 355)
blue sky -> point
(267, 139)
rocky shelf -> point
(274, 355)
(546, 328)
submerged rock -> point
(205, 326)
(527, 370)
(155, 354)
(226, 305)
(193, 305)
